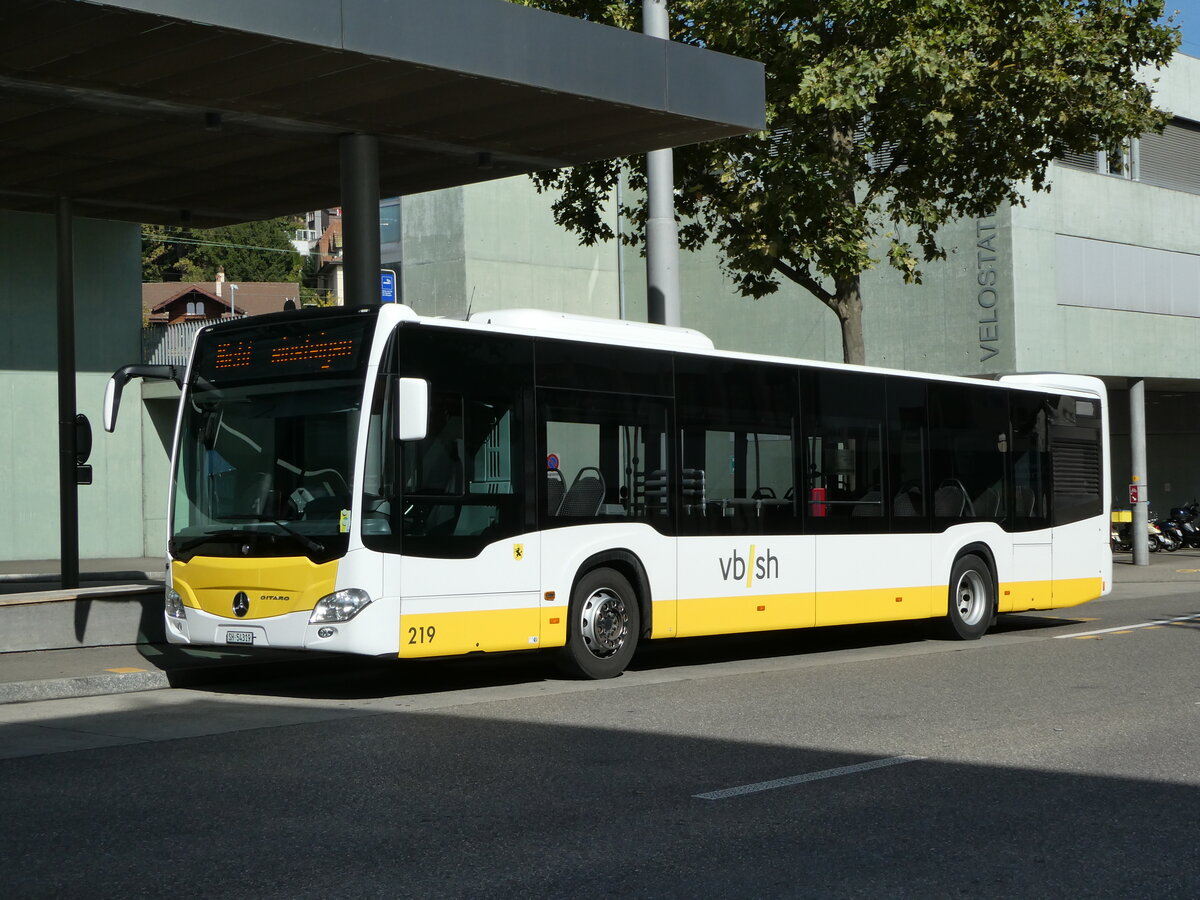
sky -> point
(1189, 19)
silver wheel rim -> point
(604, 623)
(971, 597)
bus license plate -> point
(239, 637)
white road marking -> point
(1077, 634)
(802, 779)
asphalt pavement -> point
(91, 671)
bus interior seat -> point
(908, 502)
(869, 504)
(951, 500)
(585, 495)
(556, 487)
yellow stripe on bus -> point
(479, 631)
(1018, 596)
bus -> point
(376, 482)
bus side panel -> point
(1030, 584)
(1082, 562)
(745, 583)
(566, 550)
(953, 542)
(492, 606)
(873, 578)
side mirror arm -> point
(121, 377)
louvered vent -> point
(1172, 159)
(1084, 161)
(1076, 466)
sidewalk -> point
(125, 667)
(90, 671)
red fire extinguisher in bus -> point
(817, 501)
(816, 495)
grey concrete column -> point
(68, 491)
(360, 218)
(1137, 456)
(662, 234)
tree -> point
(885, 119)
(252, 251)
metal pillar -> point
(68, 491)
(662, 234)
(360, 218)
(1137, 456)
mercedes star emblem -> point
(241, 604)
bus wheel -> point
(602, 626)
(972, 600)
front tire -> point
(972, 600)
(602, 626)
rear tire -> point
(972, 598)
(602, 626)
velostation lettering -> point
(986, 256)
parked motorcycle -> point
(1188, 518)
(1121, 537)
(1167, 532)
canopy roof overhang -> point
(205, 113)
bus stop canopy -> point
(179, 112)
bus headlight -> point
(175, 608)
(340, 606)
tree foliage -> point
(253, 251)
(885, 119)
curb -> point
(111, 683)
(82, 686)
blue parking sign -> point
(387, 286)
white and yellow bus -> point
(370, 481)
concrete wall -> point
(1102, 341)
(433, 265)
(108, 335)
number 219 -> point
(422, 635)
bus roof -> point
(625, 333)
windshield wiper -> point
(304, 539)
(227, 533)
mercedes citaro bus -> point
(371, 481)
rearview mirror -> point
(412, 409)
(112, 391)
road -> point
(1057, 757)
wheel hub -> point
(604, 623)
(971, 598)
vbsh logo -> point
(751, 566)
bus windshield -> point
(265, 456)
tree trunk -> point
(847, 303)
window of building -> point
(1172, 159)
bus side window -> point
(1030, 460)
(907, 445)
(606, 456)
(968, 451)
(737, 427)
(844, 422)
